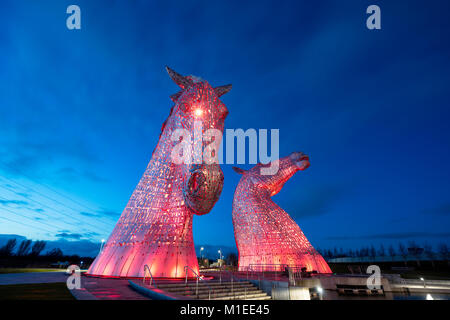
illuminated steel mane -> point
(155, 228)
(266, 236)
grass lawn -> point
(26, 270)
(40, 291)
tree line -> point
(27, 248)
(401, 250)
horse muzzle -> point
(203, 187)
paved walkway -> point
(91, 288)
(32, 277)
(110, 289)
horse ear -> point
(220, 91)
(176, 96)
(180, 80)
(239, 170)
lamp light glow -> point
(198, 112)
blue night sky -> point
(81, 111)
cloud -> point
(108, 213)
(396, 235)
(69, 173)
(442, 210)
(91, 234)
(88, 214)
(65, 235)
(314, 201)
(84, 248)
(15, 202)
(22, 194)
(32, 160)
(23, 203)
(5, 237)
(101, 213)
(94, 177)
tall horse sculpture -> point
(268, 239)
(155, 228)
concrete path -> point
(32, 277)
(110, 289)
(91, 288)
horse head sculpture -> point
(155, 228)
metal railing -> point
(266, 269)
(210, 290)
(273, 272)
(232, 282)
(146, 268)
(186, 268)
(294, 273)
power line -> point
(58, 227)
(23, 224)
(51, 199)
(67, 215)
(35, 221)
(54, 210)
(47, 186)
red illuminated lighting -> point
(198, 112)
(155, 228)
(266, 236)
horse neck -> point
(162, 156)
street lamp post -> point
(424, 285)
(320, 291)
(201, 252)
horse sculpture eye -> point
(194, 182)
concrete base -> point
(332, 282)
(280, 290)
(290, 293)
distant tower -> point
(266, 236)
(155, 229)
